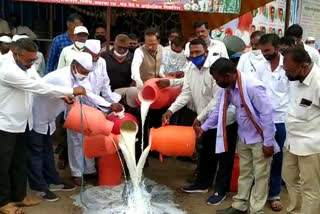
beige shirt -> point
(303, 122)
(4, 27)
(21, 30)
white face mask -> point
(79, 45)
(120, 55)
(256, 52)
(312, 45)
(79, 76)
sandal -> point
(78, 180)
(276, 205)
(28, 202)
(10, 208)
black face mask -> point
(132, 49)
(271, 57)
(102, 38)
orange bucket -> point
(160, 97)
(110, 170)
(94, 121)
(173, 140)
(100, 145)
(235, 174)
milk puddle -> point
(138, 195)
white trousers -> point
(75, 155)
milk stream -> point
(137, 196)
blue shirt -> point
(58, 43)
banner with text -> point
(207, 6)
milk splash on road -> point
(135, 196)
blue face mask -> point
(199, 60)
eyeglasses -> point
(29, 60)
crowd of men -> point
(266, 107)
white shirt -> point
(277, 85)
(303, 120)
(100, 82)
(313, 53)
(40, 64)
(248, 62)
(15, 98)
(48, 108)
(201, 90)
(172, 61)
(67, 56)
(135, 66)
(216, 48)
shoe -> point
(195, 188)
(216, 199)
(48, 196)
(231, 210)
(61, 187)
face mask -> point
(256, 52)
(79, 45)
(271, 57)
(102, 38)
(199, 60)
(120, 55)
(132, 49)
(22, 67)
(169, 43)
(312, 45)
(78, 76)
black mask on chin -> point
(271, 57)
(102, 38)
(132, 49)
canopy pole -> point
(288, 13)
(108, 22)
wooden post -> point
(51, 21)
(108, 23)
(288, 13)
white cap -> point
(310, 38)
(80, 29)
(93, 45)
(5, 39)
(84, 59)
(17, 37)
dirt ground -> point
(172, 173)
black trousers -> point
(211, 163)
(14, 168)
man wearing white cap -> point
(67, 55)
(95, 84)
(99, 78)
(4, 45)
(42, 173)
(9, 54)
(18, 82)
(311, 41)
